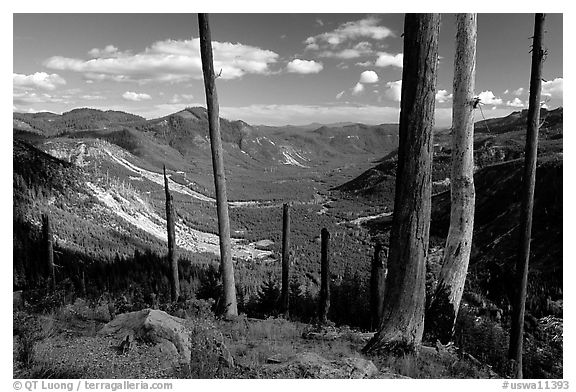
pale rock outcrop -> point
(167, 332)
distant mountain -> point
(183, 137)
(516, 121)
(505, 142)
(187, 130)
(50, 124)
(309, 127)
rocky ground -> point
(75, 342)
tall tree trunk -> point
(528, 185)
(404, 296)
(285, 298)
(172, 257)
(324, 277)
(226, 266)
(49, 243)
(443, 309)
(377, 278)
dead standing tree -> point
(172, 257)
(226, 266)
(443, 309)
(49, 243)
(528, 185)
(402, 322)
(285, 296)
(324, 305)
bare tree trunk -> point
(49, 241)
(324, 277)
(528, 185)
(226, 266)
(377, 278)
(404, 296)
(285, 298)
(172, 257)
(443, 309)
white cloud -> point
(515, 103)
(488, 98)
(553, 88)
(305, 114)
(394, 90)
(92, 97)
(179, 98)
(304, 66)
(443, 96)
(368, 77)
(340, 94)
(108, 51)
(506, 92)
(360, 49)
(344, 54)
(363, 28)
(38, 80)
(389, 60)
(132, 96)
(518, 92)
(358, 88)
(28, 98)
(30, 110)
(170, 61)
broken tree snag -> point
(172, 257)
(377, 277)
(285, 297)
(324, 277)
(230, 308)
(443, 309)
(402, 322)
(49, 246)
(528, 185)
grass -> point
(64, 343)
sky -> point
(276, 69)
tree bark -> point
(324, 277)
(226, 266)
(49, 242)
(443, 310)
(285, 297)
(377, 278)
(528, 185)
(172, 257)
(404, 296)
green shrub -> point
(483, 338)
(28, 330)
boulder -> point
(152, 326)
(360, 368)
(312, 365)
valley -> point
(98, 174)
